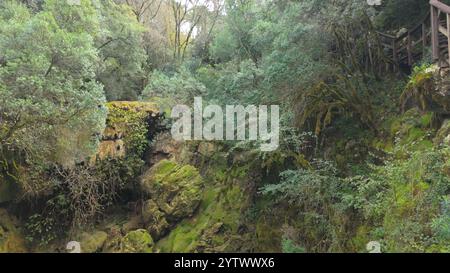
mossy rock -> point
(213, 228)
(93, 242)
(127, 126)
(176, 189)
(114, 241)
(123, 115)
(154, 219)
(11, 240)
(138, 241)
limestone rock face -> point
(164, 147)
(124, 119)
(175, 192)
(111, 148)
(138, 241)
(11, 241)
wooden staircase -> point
(409, 47)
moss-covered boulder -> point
(138, 241)
(93, 242)
(176, 189)
(429, 89)
(11, 240)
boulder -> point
(138, 241)
(176, 189)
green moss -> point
(164, 168)
(221, 205)
(426, 119)
(138, 241)
(176, 189)
(406, 133)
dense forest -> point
(87, 89)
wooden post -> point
(409, 49)
(435, 33)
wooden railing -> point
(440, 32)
(433, 30)
(410, 46)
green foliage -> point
(403, 198)
(396, 14)
(234, 39)
(289, 246)
(441, 225)
(117, 38)
(39, 230)
(317, 197)
(80, 18)
(347, 96)
(294, 183)
(232, 83)
(47, 86)
(121, 50)
(51, 224)
(182, 86)
(319, 60)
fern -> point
(419, 88)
